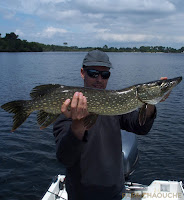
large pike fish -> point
(49, 98)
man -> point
(93, 158)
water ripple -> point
(27, 159)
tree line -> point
(11, 43)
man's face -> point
(94, 82)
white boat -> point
(157, 190)
(57, 189)
(162, 190)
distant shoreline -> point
(11, 43)
(86, 50)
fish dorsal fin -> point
(41, 90)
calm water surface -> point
(27, 156)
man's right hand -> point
(77, 112)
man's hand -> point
(77, 112)
(167, 95)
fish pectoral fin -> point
(41, 90)
(142, 114)
(90, 120)
(44, 119)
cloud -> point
(19, 33)
(91, 22)
(93, 28)
(125, 37)
(54, 1)
(9, 15)
(51, 31)
(6, 13)
(126, 5)
(58, 15)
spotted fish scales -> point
(49, 98)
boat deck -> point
(157, 190)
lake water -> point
(27, 156)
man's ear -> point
(82, 73)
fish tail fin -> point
(21, 111)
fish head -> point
(153, 92)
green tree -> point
(11, 36)
(181, 50)
(105, 47)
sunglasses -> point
(93, 73)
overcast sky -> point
(82, 23)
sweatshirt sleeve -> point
(130, 123)
(68, 147)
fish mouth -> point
(174, 81)
(153, 92)
(170, 83)
(178, 79)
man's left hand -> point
(167, 95)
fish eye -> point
(160, 83)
